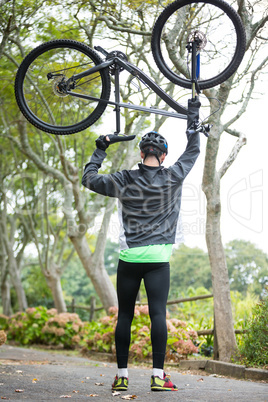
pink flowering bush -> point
(99, 336)
(26, 327)
(42, 326)
(63, 328)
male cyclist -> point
(149, 205)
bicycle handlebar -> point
(204, 128)
(119, 138)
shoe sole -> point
(119, 389)
(163, 389)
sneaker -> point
(159, 384)
(120, 383)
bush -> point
(42, 326)
(63, 329)
(3, 337)
(26, 327)
(254, 347)
(100, 336)
(3, 321)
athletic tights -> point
(156, 278)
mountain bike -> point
(63, 86)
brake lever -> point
(203, 128)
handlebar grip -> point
(190, 132)
(119, 138)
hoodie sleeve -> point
(187, 160)
(105, 184)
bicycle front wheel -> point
(45, 76)
(217, 27)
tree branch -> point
(248, 96)
(233, 154)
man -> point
(149, 205)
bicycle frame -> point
(180, 111)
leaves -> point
(116, 393)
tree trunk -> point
(6, 299)
(16, 282)
(98, 274)
(220, 281)
(54, 283)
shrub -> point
(3, 337)
(63, 329)
(3, 321)
(26, 327)
(42, 326)
(100, 336)
(254, 347)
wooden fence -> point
(92, 309)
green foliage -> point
(3, 322)
(35, 286)
(189, 267)
(100, 336)
(194, 311)
(247, 266)
(254, 348)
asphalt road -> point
(32, 375)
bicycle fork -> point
(117, 99)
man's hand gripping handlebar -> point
(105, 140)
(193, 125)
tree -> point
(212, 176)
(189, 267)
(247, 267)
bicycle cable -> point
(216, 111)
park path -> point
(33, 375)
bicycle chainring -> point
(119, 55)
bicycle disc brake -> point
(58, 86)
(198, 37)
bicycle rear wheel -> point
(40, 93)
(222, 41)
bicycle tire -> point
(176, 71)
(39, 98)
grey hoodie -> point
(149, 197)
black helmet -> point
(154, 139)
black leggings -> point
(156, 279)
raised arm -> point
(186, 161)
(105, 184)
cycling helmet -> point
(153, 140)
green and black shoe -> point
(120, 383)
